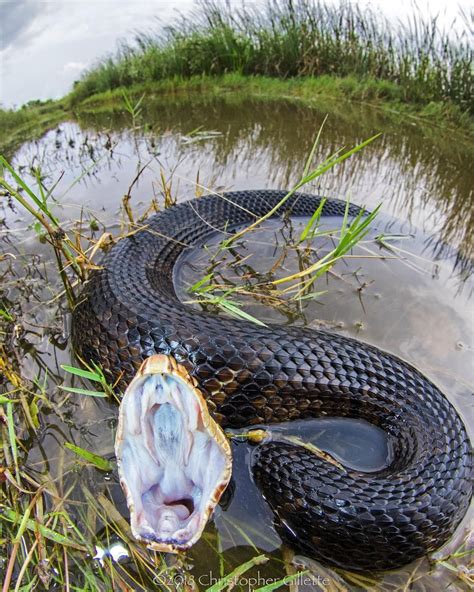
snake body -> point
(259, 375)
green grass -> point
(344, 239)
(415, 63)
(29, 122)
(13, 119)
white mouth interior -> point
(170, 465)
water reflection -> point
(424, 180)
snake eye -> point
(174, 461)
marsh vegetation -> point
(352, 49)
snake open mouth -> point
(174, 461)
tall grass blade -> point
(224, 582)
(96, 460)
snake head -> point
(174, 461)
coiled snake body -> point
(252, 375)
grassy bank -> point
(341, 96)
(29, 122)
(356, 51)
(383, 95)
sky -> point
(46, 44)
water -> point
(418, 308)
(417, 175)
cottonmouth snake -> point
(252, 374)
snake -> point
(257, 375)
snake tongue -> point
(174, 461)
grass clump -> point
(412, 63)
(209, 291)
(13, 118)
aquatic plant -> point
(344, 239)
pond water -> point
(413, 301)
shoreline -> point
(34, 119)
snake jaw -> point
(174, 461)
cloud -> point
(74, 66)
(51, 42)
(16, 17)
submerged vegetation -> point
(412, 63)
